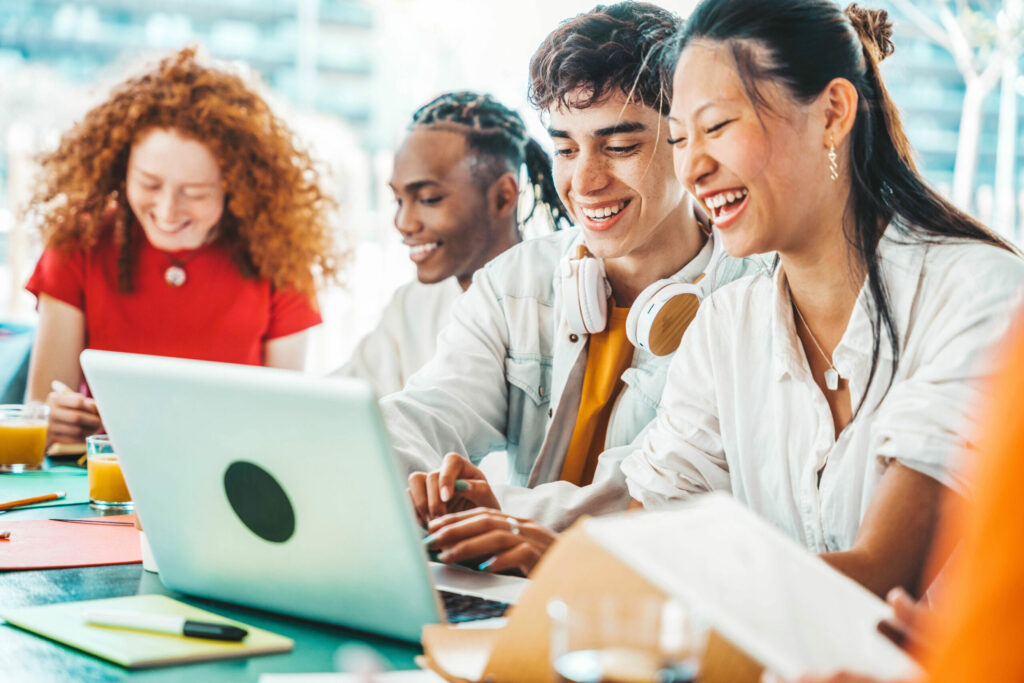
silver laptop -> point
(275, 490)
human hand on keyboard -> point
(497, 540)
(456, 486)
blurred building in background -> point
(956, 78)
(316, 53)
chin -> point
(605, 246)
(431, 277)
(738, 247)
(173, 242)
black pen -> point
(165, 623)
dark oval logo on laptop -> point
(259, 501)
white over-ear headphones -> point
(658, 317)
(585, 291)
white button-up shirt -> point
(508, 375)
(742, 413)
(406, 337)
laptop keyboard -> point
(461, 607)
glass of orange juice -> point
(23, 436)
(107, 490)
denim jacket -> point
(508, 375)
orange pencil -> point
(32, 501)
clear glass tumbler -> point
(107, 489)
(619, 639)
(23, 436)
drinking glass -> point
(107, 489)
(23, 436)
(619, 639)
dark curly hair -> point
(275, 212)
(497, 135)
(608, 49)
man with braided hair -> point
(456, 185)
(551, 354)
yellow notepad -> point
(65, 623)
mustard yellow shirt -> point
(609, 353)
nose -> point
(693, 164)
(166, 208)
(406, 220)
(590, 174)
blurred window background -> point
(347, 74)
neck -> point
(673, 246)
(824, 280)
(507, 237)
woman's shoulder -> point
(950, 283)
(61, 257)
(971, 266)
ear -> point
(839, 101)
(503, 196)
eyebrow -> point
(415, 186)
(154, 176)
(624, 127)
(697, 112)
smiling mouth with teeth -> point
(724, 199)
(417, 249)
(169, 227)
(605, 212)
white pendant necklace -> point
(831, 375)
(175, 275)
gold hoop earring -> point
(833, 166)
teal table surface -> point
(25, 657)
(71, 480)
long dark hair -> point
(497, 135)
(802, 45)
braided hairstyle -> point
(498, 137)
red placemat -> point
(47, 544)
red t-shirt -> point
(216, 315)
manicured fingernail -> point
(484, 565)
(445, 494)
(430, 540)
(461, 485)
(445, 556)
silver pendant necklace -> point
(175, 274)
(831, 375)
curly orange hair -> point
(275, 212)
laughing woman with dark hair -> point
(833, 395)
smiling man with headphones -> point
(558, 351)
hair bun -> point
(874, 29)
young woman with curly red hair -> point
(179, 219)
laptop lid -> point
(267, 488)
